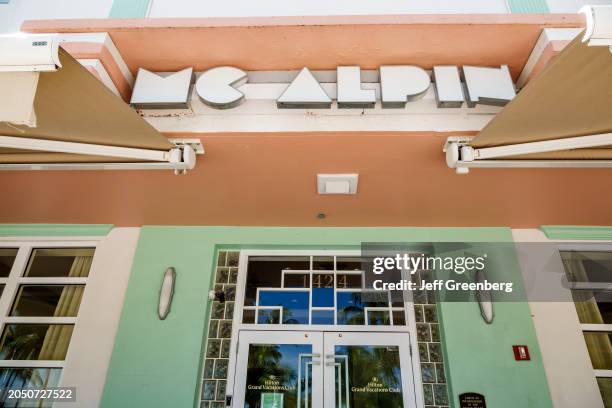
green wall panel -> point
(54, 230)
(528, 6)
(577, 232)
(479, 355)
(158, 363)
(129, 9)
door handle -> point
(336, 361)
(308, 368)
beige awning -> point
(571, 97)
(72, 105)
(562, 118)
(78, 123)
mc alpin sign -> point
(219, 88)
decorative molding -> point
(50, 230)
(96, 67)
(550, 43)
(577, 232)
(100, 47)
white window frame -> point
(24, 247)
(599, 246)
(237, 324)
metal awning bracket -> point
(180, 158)
(461, 156)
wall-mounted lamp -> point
(484, 299)
(166, 293)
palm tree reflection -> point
(274, 368)
(374, 376)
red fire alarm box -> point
(521, 353)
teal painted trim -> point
(577, 232)
(129, 9)
(159, 363)
(54, 230)
(528, 6)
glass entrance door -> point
(279, 370)
(365, 370)
(291, 369)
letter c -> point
(217, 87)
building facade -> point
(317, 130)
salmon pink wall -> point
(284, 43)
(270, 179)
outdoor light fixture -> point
(217, 295)
(337, 183)
(166, 293)
(484, 299)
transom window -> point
(41, 287)
(315, 290)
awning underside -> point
(572, 97)
(16, 156)
(71, 105)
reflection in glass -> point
(378, 318)
(605, 388)
(302, 287)
(349, 281)
(35, 341)
(266, 271)
(587, 266)
(248, 316)
(399, 318)
(294, 304)
(7, 257)
(60, 262)
(374, 376)
(48, 300)
(600, 349)
(351, 306)
(296, 280)
(323, 263)
(268, 316)
(595, 308)
(323, 297)
(322, 317)
(348, 263)
(279, 369)
(22, 378)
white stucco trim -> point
(107, 41)
(546, 37)
(93, 339)
(570, 375)
(104, 77)
(259, 113)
